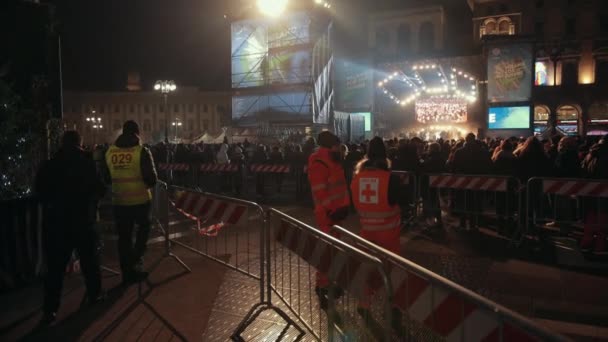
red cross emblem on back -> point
(368, 190)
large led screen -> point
(510, 72)
(509, 117)
(440, 110)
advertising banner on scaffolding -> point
(354, 85)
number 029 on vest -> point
(368, 190)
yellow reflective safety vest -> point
(128, 187)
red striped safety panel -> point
(469, 182)
(265, 168)
(197, 206)
(449, 315)
(576, 188)
(350, 273)
(219, 168)
(174, 167)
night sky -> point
(184, 40)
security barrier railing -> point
(226, 230)
(299, 254)
(563, 207)
(432, 308)
(468, 197)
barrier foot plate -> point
(255, 312)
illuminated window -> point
(541, 113)
(540, 78)
(598, 111)
(567, 113)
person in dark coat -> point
(433, 163)
(128, 215)
(567, 163)
(69, 188)
(595, 166)
(277, 158)
(471, 159)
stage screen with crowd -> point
(441, 111)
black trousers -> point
(61, 238)
(126, 217)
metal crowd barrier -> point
(576, 208)
(226, 230)
(219, 177)
(433, 308)
(477, 197)
(177, 173)
(297, 251)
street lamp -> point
(177, 123)
(165, 87)
(95, 123)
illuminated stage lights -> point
(324, 3)
(272, 8)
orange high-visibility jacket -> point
(370, 196)
(327, 183)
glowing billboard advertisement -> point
(510, 72)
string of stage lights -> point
(460, 84)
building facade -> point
(190, 113)
(571, 69)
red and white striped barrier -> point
(219, 168)
(575, 188)
(200, 207)
(449, 314)
(444, 312)
(469, 182)
(263, 168)
(350, 273)
(174, 167)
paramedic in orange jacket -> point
(329, 193)
(375, 192)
